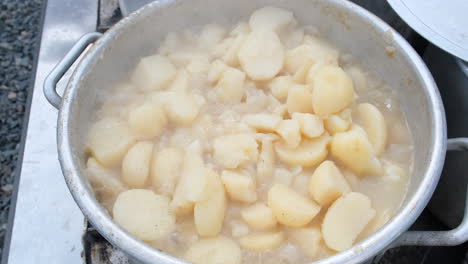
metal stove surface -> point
(46, 226)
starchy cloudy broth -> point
(255, 143)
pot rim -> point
(143, 252)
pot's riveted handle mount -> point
(62, 67)
(453, 237)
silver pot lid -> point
(444, 23)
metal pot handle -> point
(62, 67)
(453, 237)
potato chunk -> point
(261, 55)
(230, 151)
(165, 169)
(211, 35)
(230, 88)
(345, 219)
(199, 66)
(103, 180)
(136, 164)
(214, 251)
(259, 216)
(182, 108)
(332, 90)
(209, 213)
(290, 131)
(147, 120)
(108, 141)
(262, 241)
(311, 125)
(327, 183)
(271, 18)
(266, 161)
(299, 99)
(217, 68)
(309, 240)
(280, 85)
(240, 187)
(233, 45)
(144, 214)
(355, 151)
(153, 73)
(289, 207)
(375, 126)
(308, 154)
(193, 182)
(309, 54)
(181, 82)
(336, 124)
(263, 122)
(195, 172)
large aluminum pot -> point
(352, 28)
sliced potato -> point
(263, 122)
(238, 228)
(195, 172)
(199, 65)
(242, 28)
(182, 58)
(153, 73)
(332, 90)
(103, 180)
(216, 70)
(290, 131)
(147, 120)
(355, 151)
(300, 76)
(230, 88)
(259, 216)
(211, 35)
(308, 239)
(230, 151)
(374, 123)
(393, 172)
(345, 219)
(280, 85)
(308, 154)
(193, 183)
(181, 82)
(182, 108)
(261, 55)
(144, 214)
(266, 161)
(209, 213)
(290, 208)
(230, 57)
(271, 18)
(327, 183)
(309, 54)
(217, 250)
(336, 124)
(240, 187)
(165, 169)
(136, 164)
(311, 125)
(108, 141)
(299, 99)
(261, 241)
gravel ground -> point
(19, 27)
